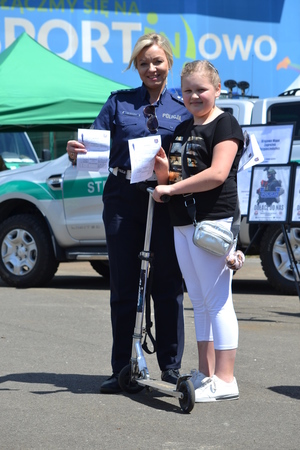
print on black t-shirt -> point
(195, 148)
(175, 171)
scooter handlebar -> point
(165, 198)
(143, 186)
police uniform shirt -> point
(123, 114)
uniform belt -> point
(117, 172)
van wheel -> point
(275, 259)
(27, 257)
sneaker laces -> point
(214, 385)
(211, 381)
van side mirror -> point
(2, 164)
(46, 155)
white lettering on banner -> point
(273, 46)
(98, 45)
(218, 43)
(231, 46)
(126, 28)
(237, 43)
(63, 25)
(11, 23)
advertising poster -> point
(251, 40)
(269, 195)
(275, 143)
(295, 214)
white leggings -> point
(208, 281)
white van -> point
(264, 239)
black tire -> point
(187, 403)
(27, 257)
(101, 267)
(126, 383)
(275, 259)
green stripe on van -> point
(84, 187)
(38, 191)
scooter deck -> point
(162, 386)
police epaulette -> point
(125, 91)
(177, 97)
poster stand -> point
(269, 191)
(292, 259)
(274, 199)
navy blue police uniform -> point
(125, 214)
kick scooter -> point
(135, 376)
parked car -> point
(264, 239)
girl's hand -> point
(161, 166)
(161, 190)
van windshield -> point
(16, 150)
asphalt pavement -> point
(55, 352)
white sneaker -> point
(214, 389)
(197, 378)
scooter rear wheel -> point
(187, 403)
(126, 383)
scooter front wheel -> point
(187, 402)
(126, 383)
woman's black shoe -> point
(170, 376)
(111, 385)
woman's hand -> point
(161, 166)
(73, 148)
(160, 190)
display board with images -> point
(270, 193)
(295, 209)
(275, 143)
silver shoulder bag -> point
(211, 235)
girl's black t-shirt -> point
(195, 157)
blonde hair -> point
(205, 67)
(146, 41)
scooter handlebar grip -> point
(165, 198)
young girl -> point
(205, 166)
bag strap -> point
(184, 167)
(148, 321)
(236, 221)
(190, 202)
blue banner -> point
(251, 40)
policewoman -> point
(147, 110)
